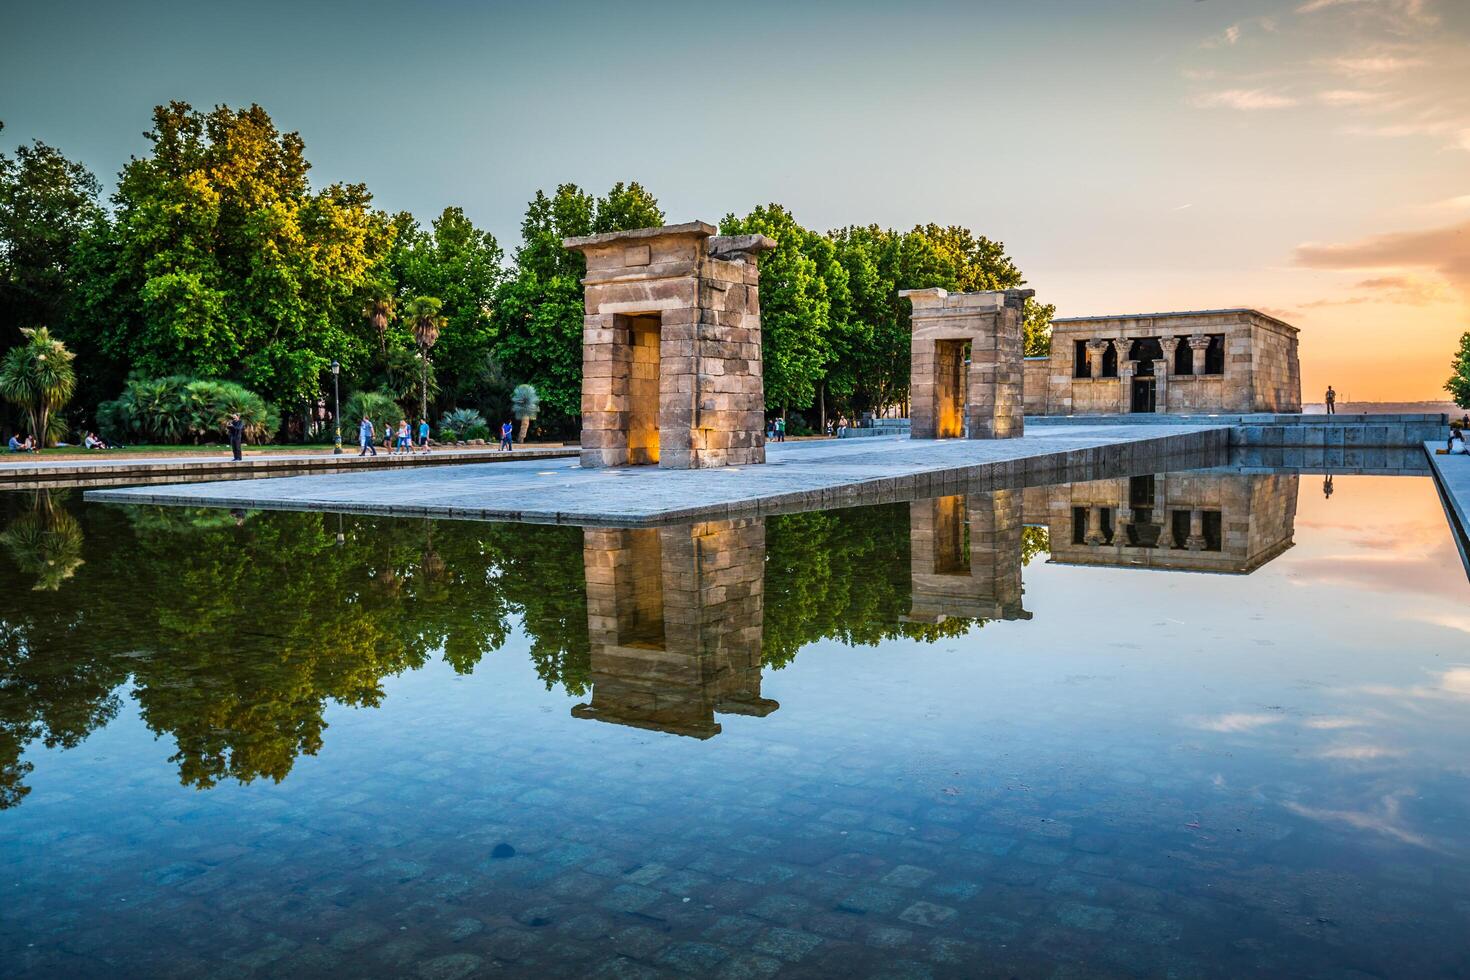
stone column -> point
(1196, 540)
(1095, 351)
(1166, 533)
(1126, 367)
(1094, 526)
(1198, 344)
(1169, 345)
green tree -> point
(1459, 384)
(463, 267)
(1036, 323)
(423, 316)
(38, 377)
(47, 203)
(222, 261)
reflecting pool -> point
(1209, 723)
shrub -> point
(477, 432)
(179, 409)
(459, 421)
(380, 406)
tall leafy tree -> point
(462, 266)
(1459, 383)
(224, 262)
(47, 203)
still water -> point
(1200, 724)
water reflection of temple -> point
(674, 620)
(965, 557)
(1200, 522)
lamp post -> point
(337, 407)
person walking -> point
(403, 439)
(365, 437)
(424, 434)
(506, 432)
(236, 433)
(1331, 401)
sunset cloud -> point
(1444, 251)
(1348, 97)
(1244, 100)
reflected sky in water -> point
(1086, 728)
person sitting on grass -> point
(17, 445)
(94, 441)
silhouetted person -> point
(1457, 434)
(1327, 487)
(236, 433)
(1331, 401)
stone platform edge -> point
(201, 470)
(1184, 450)
(1452, 480)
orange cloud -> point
(1445, 251)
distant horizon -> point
(1307, 158)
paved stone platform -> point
(1452, 477)
(30, 472)
(797, 476)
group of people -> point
(837, 427)
(22, 443)
(402, 440)
(776, 430)
(1455, 445)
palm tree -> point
(38, 376)
(526, 404)
(378, 311)
(423, 315)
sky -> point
(1310, 158)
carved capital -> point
(1199, 341)
(1169, 344)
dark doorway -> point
(1145, 393)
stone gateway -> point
(671, 348)
(966, 363)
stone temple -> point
(1209, 361)
(966, 363)
(671, 348)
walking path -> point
(1452, 476)
(796, 476)
(100, 469)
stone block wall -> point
(992, 404)
(672, 313)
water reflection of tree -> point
(45, 542)
(237, 638)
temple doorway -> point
(951, 367)
(643, 389)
